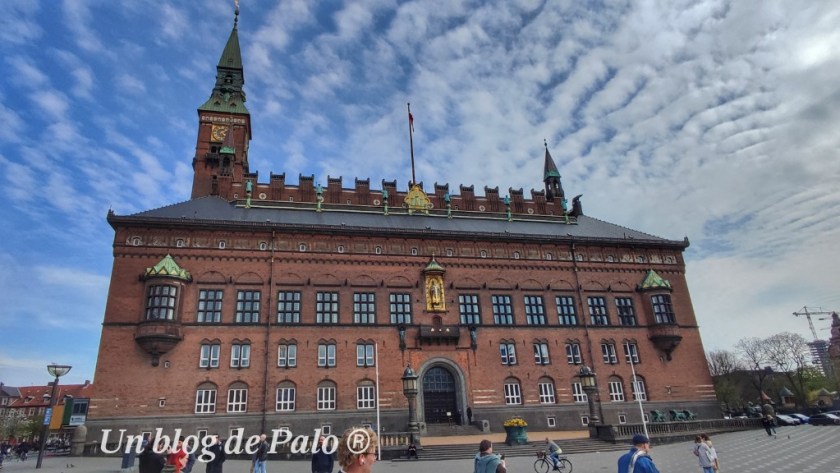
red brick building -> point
(259, 304)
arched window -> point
(639, 389)
(237, 400)
(616, 389)
(366, 395)
(513, 392)
(546, 388)
(326, 396)
(205, 399)
(286, 394)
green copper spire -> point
(168, 267)
(550, 167)
(654, 281)
(228, 95)
(551, 178)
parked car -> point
(801, 417)
(782, 419)
(824, 419)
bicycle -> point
(543, 463)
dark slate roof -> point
(217, 212)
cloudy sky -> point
(712, 119)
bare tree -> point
(789, 354)
(754, 353)
(723, 362)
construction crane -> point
(808, 313)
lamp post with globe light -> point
(587, 379)
(410, 389)
(57, 371)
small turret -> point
(551, 177)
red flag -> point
(411, 121)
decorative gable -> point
(167, 267)
(653, 281)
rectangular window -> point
(598, 311)
(631, 353)
(209, 306)
(326, 398)
(578, 395)
(400, 308)
(285, 399)
(551, 421)
(205, 401)
(547, 393)
(508, 353)
(534, 310)
(513, 395)
(209, 355)
(160, 302)
(287, 355)
(639, 392)
(541, 353)
(502, 310)
(573, 353)
(626, 314)
(240, 355)
(247, 307)
(622, 419)
(326, 308)
(237, 400)
(566, 314)
(364, 308)
(365, 354)
(608, 351)
(469, 309)
(616, 391)
(326, 354)
(366, 397)
(288, 307)
(662, 310)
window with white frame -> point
(534, 310)
(326, 354)
(288, 307)
(366, 396)
(631, 353)
(237, 398)
(205, 399)
(209, 355)
(546, 388)
(507, 350)
(326, 308)
(551, 421)
(639, 391)
(541, 353)
(616, 390)
(622, 419)
(502, 309)
(240, 355)
(365, 354)
(578, 395)
(285, 397)
(326, 397)
(364, 307)
(573, 353)
(584, 420)
(608, 352)
(209, 306)
(287, 355)
(513, 393)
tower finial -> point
(545, 142)
(235, 12)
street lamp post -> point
(409, 379)
(57, 371)
(587, 379)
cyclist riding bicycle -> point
(553, 452)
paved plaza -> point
(803, 449)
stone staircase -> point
(465, 452)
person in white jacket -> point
(705, 454)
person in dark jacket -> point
(322, 462)
(219, 457)
(261, 456)
(150, 460)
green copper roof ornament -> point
(228, 95)
(434, 266)
(319, 197)
(167, 267)
(654, 281)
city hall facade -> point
(267, 304)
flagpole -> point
(411, 140)
(376, 362)
(635, 389)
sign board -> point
(77, 419)
(47, 416)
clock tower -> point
(220, 165)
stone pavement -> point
(801, 449)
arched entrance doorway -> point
(440, 402)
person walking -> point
(638, 459)
(708, 441)
(769, 425)
(150, 460)
(322, 462)
(704, 455)
(486, 461)
(261, 455)
(353, 461)
(178, 457)
(215, 465)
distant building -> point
(261, 304)
(29, 402)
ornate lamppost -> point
(587, 379)
(409, 379)
(57, 371)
